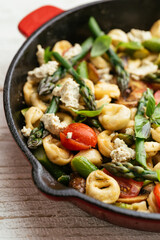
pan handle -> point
(37, 18)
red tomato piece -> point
(83, 137)
(128, 187)
(157, 96)
(156, 192)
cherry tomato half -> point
(157, 96)
(128, 187)
(156, 192)
(83, 137)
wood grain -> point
(27, 214)
(24, 212)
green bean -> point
(83, 166)
(82, 69)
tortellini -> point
(157, 166)
(156, 134)
(149, 163)
(99, 62)
(55, 152)
(133, 113)
(105, 144)
(64, 118)
(37, 102)
(61, 46)
(153, 207)
(102, 101)
(102, 187)
(28, 89)
(151, 148)
(155, 29)
(118, 36)
(31, 96)
(114, 116)
(103, 88)
(92, 155)
(32, 117)
(136, 206)
(90, 84)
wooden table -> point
(24, 212)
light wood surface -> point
(24, 212)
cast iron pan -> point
(72, 25)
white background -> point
(11, 12)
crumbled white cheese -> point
(121, 152)
(43, 71)
(104, 74)
(73, 51)
(137, 35)
(53, 124)
(40, 54)
(69, 135)
(26, 131)
(146, 68)
(69, 93)
(129, 131)
(104, 70)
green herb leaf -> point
(155, 118)
(82, 69)
(130, 45)
(80, 118)
(150, 103)
(100, 45)
(152, 44)
(47, 54)
(89, 113)
(158, 174)
(140, 152)
(142, 127)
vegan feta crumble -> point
(43, 71)
(52, 123)
(26, 131)
(69, 93)
(137, 35)
(69, 135)
(121, 152)
(73, 51)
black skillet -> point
(72, 25)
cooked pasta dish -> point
(92, 115)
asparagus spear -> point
(128, 170)
(152, 77)
(94, 122)
(38, 133)
(83, 166)
(122, 74)
(140, 149)
(86, 93)
(47, 84)
(82, 69)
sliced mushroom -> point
(133, 199)
(137, 89)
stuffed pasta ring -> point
(114, 116)
(102, 187)
(55, 152)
